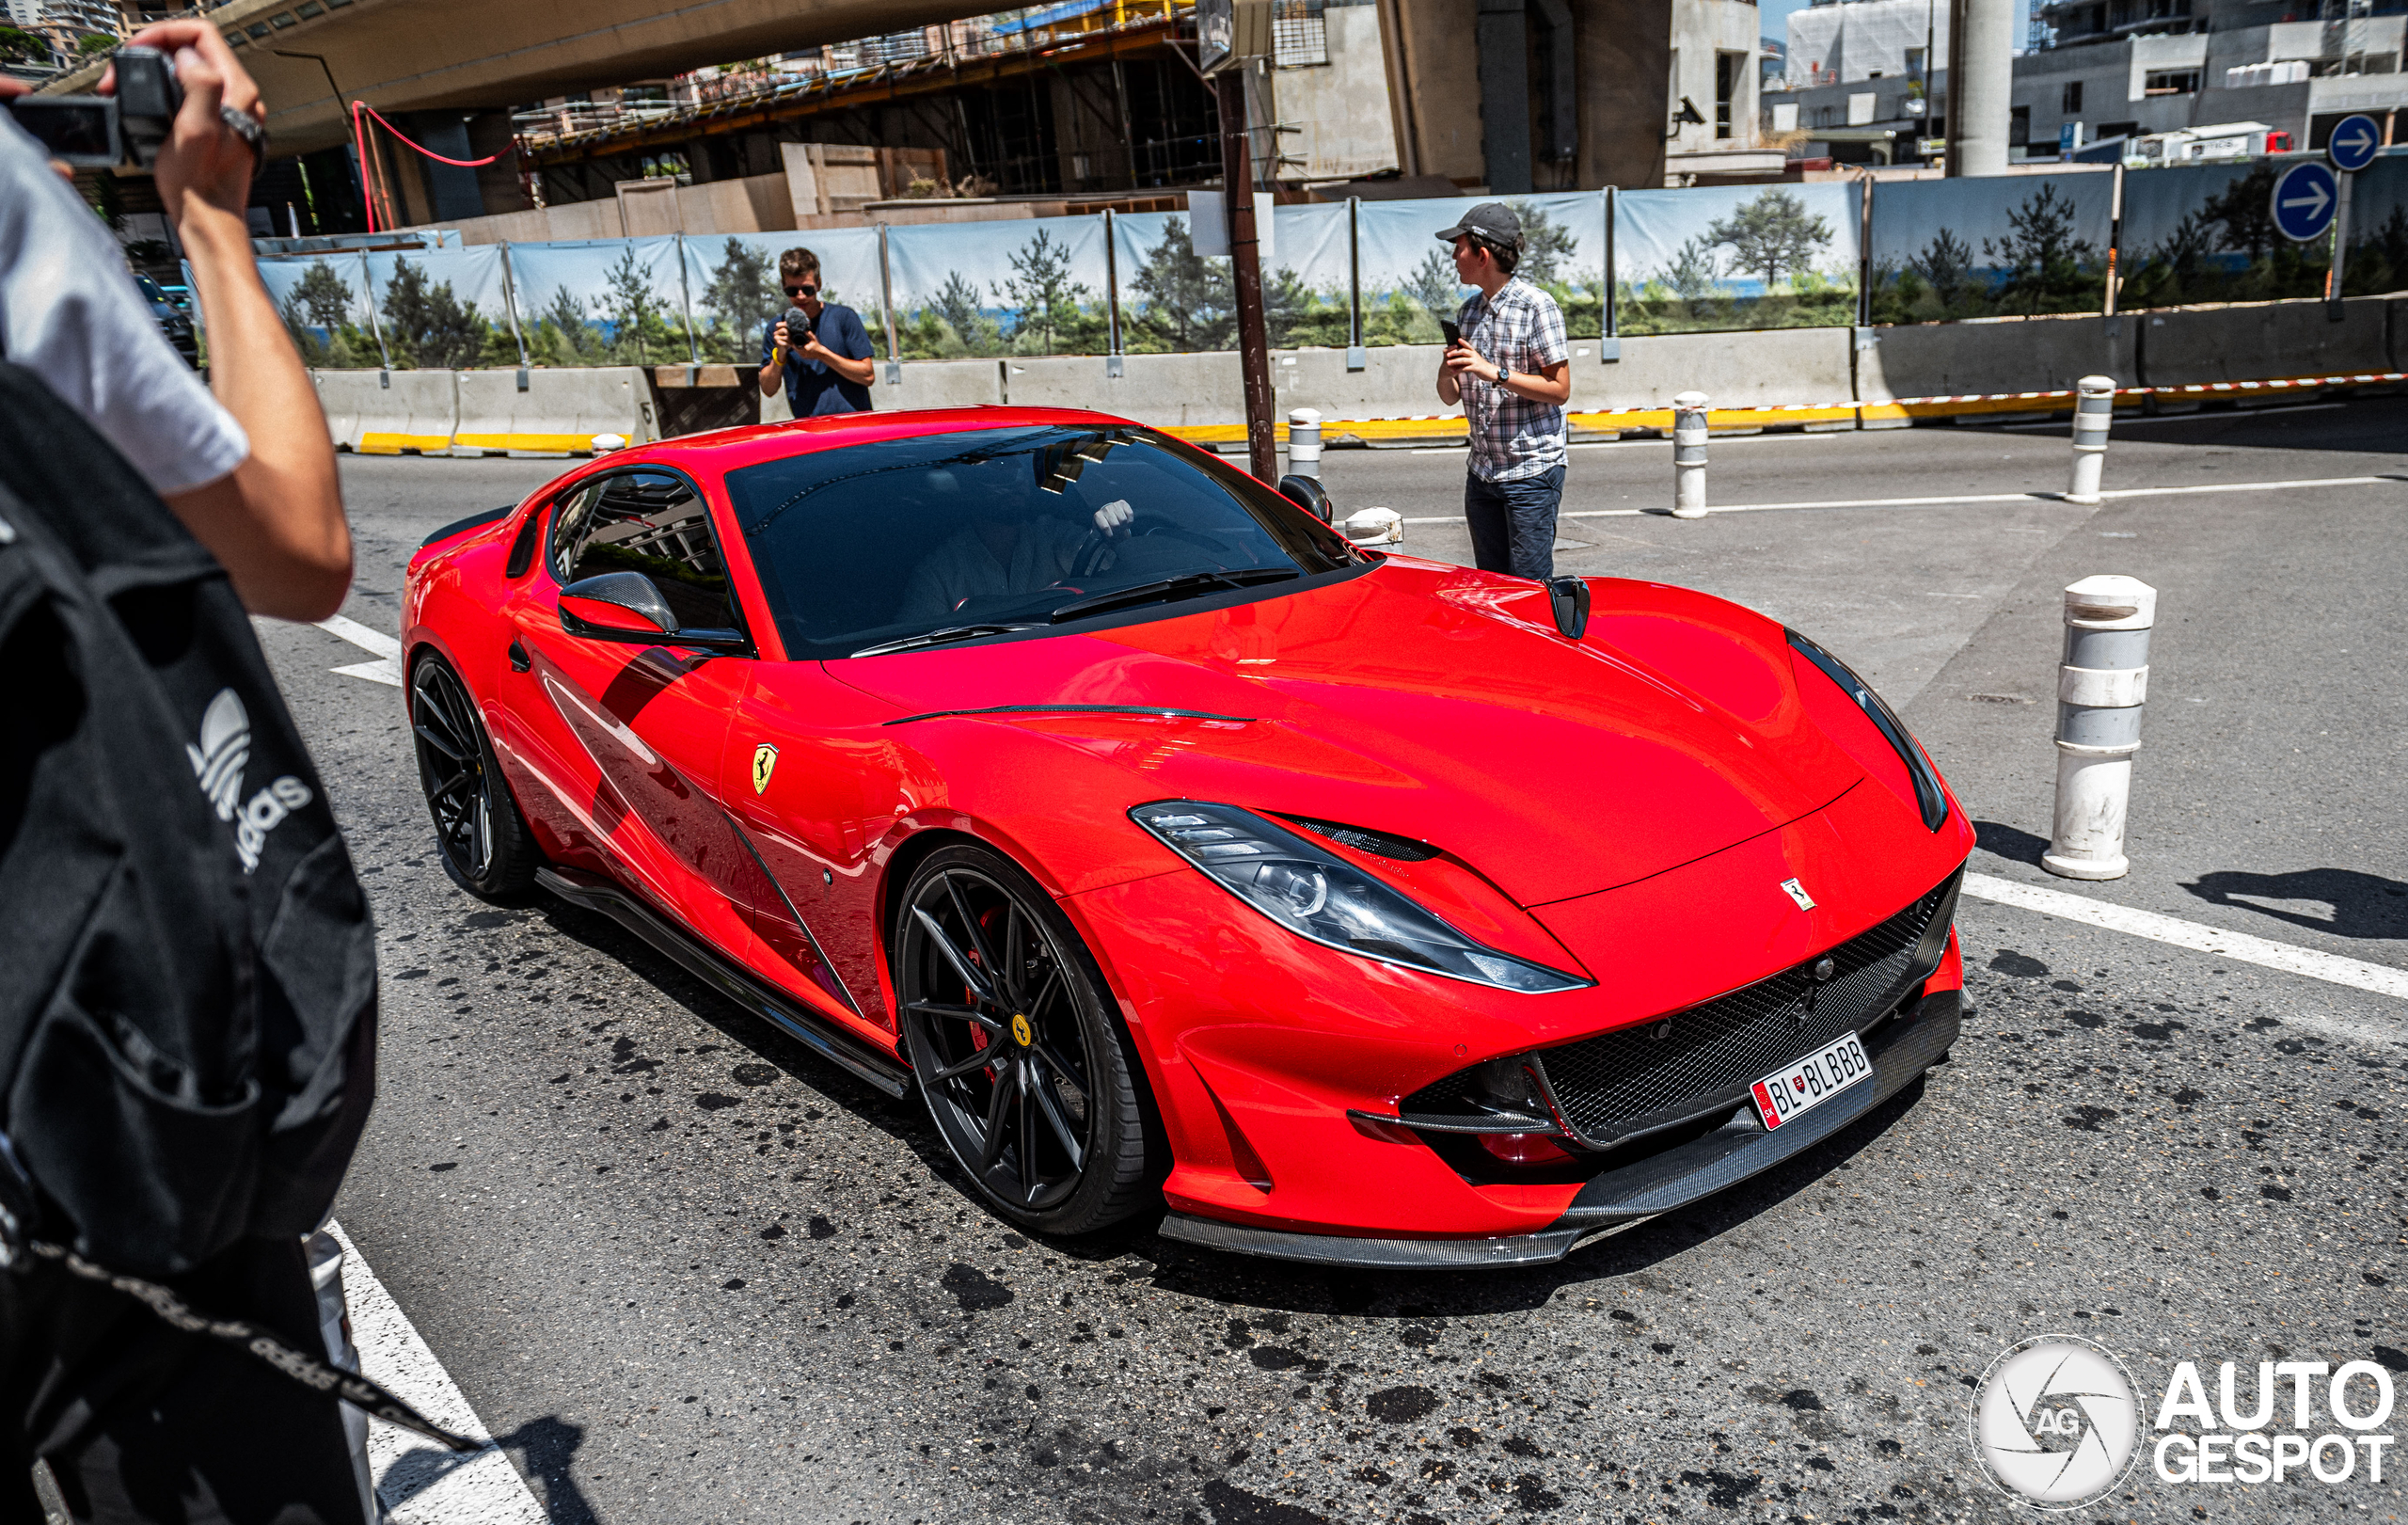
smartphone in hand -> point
(1448, 331)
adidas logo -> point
(218, 763)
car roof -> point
(728, 449)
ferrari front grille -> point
(1634, 1080)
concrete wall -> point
(754, 204)
(2191, 347)
(1954, 360)
(1702, 29)
(1626, 50)
(1343, 106)
(1777, 368)
(1442, 79)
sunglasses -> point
(802, 291)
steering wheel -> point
(1092, 554)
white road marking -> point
(2330, 967)
(419, 1482)
(1971, 498)
(386, 669)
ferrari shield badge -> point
(1789, 886)
(765, 758)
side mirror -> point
(1308, 493)
(1374, 526)
(626, 606)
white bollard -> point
(1688, 456)
(2094, 409)
(2100, 689)
(1304, 443)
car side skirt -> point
(1901, 1051)
(822, 1038)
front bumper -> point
(1901, 1050)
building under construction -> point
(1083, 104)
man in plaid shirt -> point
(1512, 372)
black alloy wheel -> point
(486, 847)
(1018, 1051)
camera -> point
(101, 132)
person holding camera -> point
(245, 462)
(1509, 365)
(111, 615)
(826, 358)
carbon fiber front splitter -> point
(1900, 1049)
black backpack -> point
(188, 970)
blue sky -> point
(1775, 14)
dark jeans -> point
(1513, 523)
(141, 1423)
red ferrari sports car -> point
(1180, 851)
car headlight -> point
(1931, 801)
(1318, 895)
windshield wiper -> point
(1186, 584)
(938, 638)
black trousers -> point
(1513, 523)
(143, 1424)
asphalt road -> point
(690, 1274)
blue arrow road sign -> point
(2354, 143)
(2305, 198)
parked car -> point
(174, 321)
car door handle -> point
(519, 661)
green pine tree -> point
(1186, 303)
(1040, 286)
(1773, 234)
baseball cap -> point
(1491, 222)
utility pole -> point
(1245, 268)
(1981, 86)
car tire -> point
(1053, 1133)
(482, 839)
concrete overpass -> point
(476, 55)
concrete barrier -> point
(923, 384)
(393, 412)
(345, 396)
(559, 413)
(2229, 345)
(1989, 366)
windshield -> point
(902, 542)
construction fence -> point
(1360, 275)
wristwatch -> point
(1503, 376)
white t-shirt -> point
(70, 313)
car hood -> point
(1428, 701)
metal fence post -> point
(886, 298)
(1356, 359)
(685, 306)
(2094, 409)
(1688, 456)
(1112, 364)
(2115, 246)
(510, 306)
(2101, 686)
(368, 292)
(1610, 340)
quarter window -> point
(654, 523)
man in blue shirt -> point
(829, 367)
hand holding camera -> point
(173, 102)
